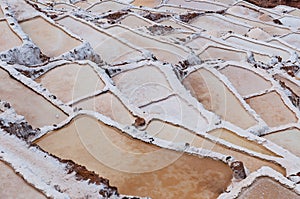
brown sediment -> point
(83, 174)
(116, 15)
(139, 122)
(160, 30)
(155, 16)
(238, 170)
(189, 16)
(274, 3)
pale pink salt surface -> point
(240, 141)
(133, 21)
(288, 139)
(272, 109)
(259, 47)
(1, 13)
(292, 39)
(291, 85)
(23, 100)
(177, 134)
(270, 29)
(240, 78)
(52, 40)
(216, 97)
(108, 105)
(175, 109)
(179, 176)
(71, 81)
(197, 5)
(146, 3)
(104, 6)
(98, 39)
(8, 39)
(143, 85)
(265, 187)
(223, 53)
(213, 23)
(259, 34)
(163, 51)
(13, 186)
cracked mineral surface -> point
(149, 99)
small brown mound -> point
(155, 16)
(189, 16)
(274, 3)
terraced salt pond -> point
(104, 6)
(212, 23)
(162, 50)
(52, 40)
(177, 134)
(143, 85)
(8, 188)
(261, 188)
(23, 98)
(216, 79)
(207, 6)
(8, 39)
(215, 96)
(272, 109)
(99, 38)
(71, 87)
(240, 78)
(109, 105)
(89, 142)
(287, 138)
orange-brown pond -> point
(52, 40)
(78, 81)
(241, 77)
(272, 109)
(36, 109)
(265, 187)
(288, 139)
(147, 3)
(177, 134)
(109, 105)
(8, 39)
(13, 186)
(135, 167)
(216, 97)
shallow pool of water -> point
(240, 78)
(272, 109)
(216, 97)
(78, 81)
(160, 173)
(13, 186)
(36, 109)
(52, 40)
(8, 39)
